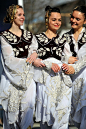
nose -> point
(23, 17)
(73, 20)
(58, 22)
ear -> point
(85, 21)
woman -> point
(75, 49)
(55, 86)
(17, 90)
(1, 110)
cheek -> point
(60, 23)
(80, 23)
(50, 23)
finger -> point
(65, 67)
(76, 60)
(43, 65)
(56, 69)
(53, 69)
(76, 57)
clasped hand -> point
(68, 69)
(32, 58)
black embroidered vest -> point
(21, 44)
(48, 47)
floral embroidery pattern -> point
(16, 92)
(12, 38)
(21, 44)
(48, 46)
(27, 34)
(42, 38)
(68, 38)
(77, 89)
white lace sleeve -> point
(66, 53)
(79, 64)
(33, 47)
(15, 68)
(48, 65)
(1, 68)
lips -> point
(74, 24)
(56, 25)
(21, 21)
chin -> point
(74, 26)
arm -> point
(33, 47)
(33, 51)
(79, 65)
(47, 65)
(75, 68)
(68, 58)
(16, 69)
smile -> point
(56, 25)
(74, 24)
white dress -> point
(18, 89)
(78, 49)
(54, 88)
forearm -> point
(79, 65)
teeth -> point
(73, 24)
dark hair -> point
(11, 11)
(81, 9)
(52, 9)
(49, 10)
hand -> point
(72, 60)
(38, 63)
(55, 67)
(32, 57)
(65, 67)
(69, 70)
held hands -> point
(72, 60)
(55, 67)
(38, 63)
(68, 69)
(32, 58)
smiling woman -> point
(74, 50)
(51, 94)
(18, 89)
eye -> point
(19, 14)
(53, 19)
(77, 19)
(59, 19)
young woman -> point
(75, 49)
(54, 91)
(17, 90)
(1, 110)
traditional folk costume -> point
(54, 90)
(18, 89)
(1, 69)
(77, 49)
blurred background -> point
(35, 13)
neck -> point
(15, 30)
(50, 34)
(77, 31)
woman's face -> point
(19, 17)
(77, 20)
(54, 21)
